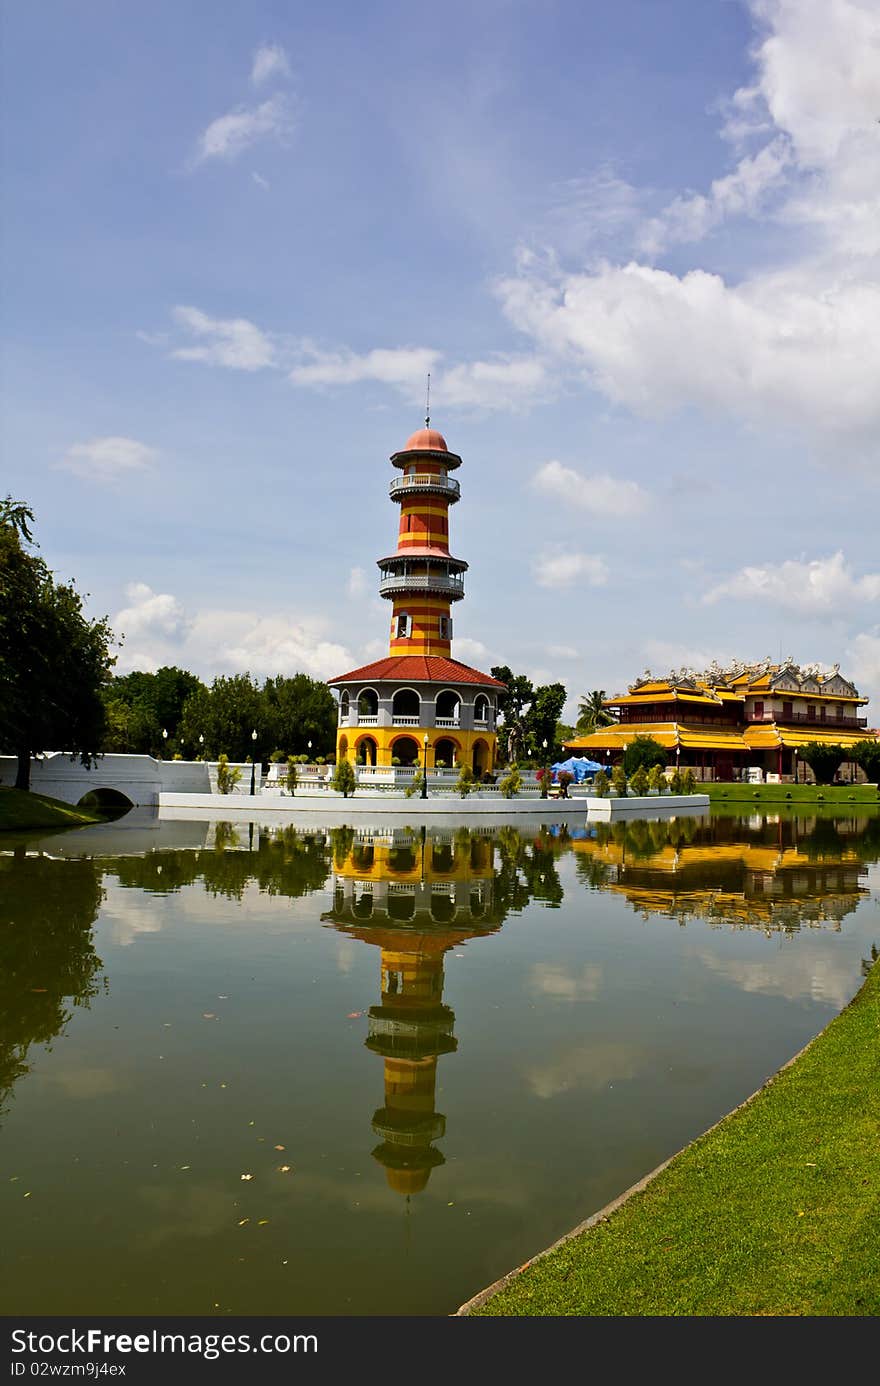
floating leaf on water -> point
(354, 1015)
(185, 1166)
(247, 1176)
(242, 1221)
(27, 1195)
(39, 988)
(261, 1222)
(208, 1015)
(280, 1147)
(284, 1169)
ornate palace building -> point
(721, 722)
(419, 706)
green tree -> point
(140, 706)
(823, 760)
(591, 712)
(54, 662)
(542, 719)
(866, 755)
(291, 779)
(296, 711)
(643, 750)
(618, 779)
(344, 779)
(225, 715)
(657, 778)
(600, 784)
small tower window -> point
(445, 628)
(403, 626)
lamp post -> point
(164, 742)
(425, 768)
(201, 743)
(253, 759)
(545, 788)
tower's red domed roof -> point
(425, 438)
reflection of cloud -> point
(188, 1210)
(86, 1083)
(590, 1066)
(824, 980)
(566, 985)
(346, 951)
(129, 913)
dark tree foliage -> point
(643, 751)
(225, 715)
(530, 717)
(866, 755)
(297, 711)
(140, 706)
(48, 962)
(54, 662)
(823, 760)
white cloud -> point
(230, 135)
(108, 459)
(863, 666)
(563, 652)
(743, 192)
(150, 614)
(793, 346)
(563, 569)
(465, 647)
(270, 61)
(820, 585)
(588, 1067)
(232, 342)
(505, 382)
(261, 182)
(403, 367)
(600, 494)
(221, 641)
(357, 583)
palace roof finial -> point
(428, 403)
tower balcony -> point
(425, 482)
(446, 584)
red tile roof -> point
(418, 669)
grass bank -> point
(842, 794)
(775, 1211)
(21, 809)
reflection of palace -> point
(761, 875)
(415, 896)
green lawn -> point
(775, 1211)
(21, 809)
(843, 794)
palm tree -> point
(592, 713)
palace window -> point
(403, 626)
(445, 627)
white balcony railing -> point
(419, 582)
(368, 720)
(446, 722)
(405, 721)
(426, 481)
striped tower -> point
(422, 579)
(418, 706)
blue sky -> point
(636, 245)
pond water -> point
(266, 1071)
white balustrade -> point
(405, 721)
(446, 722)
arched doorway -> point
(481, 708)
(448, 704)
(480, 761)
(406, 750)
(368, 703)
(406, 703)
(445, 752)
(365, 751)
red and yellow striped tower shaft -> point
(426, 578)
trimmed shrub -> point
(511, 783)
(657, 778)
(600, 784)
(689, 782)
(639, 782)
(618, 780)
(465, 782)
(228, 775)
(344, 780)
(643, 751)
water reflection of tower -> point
(416, 896)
